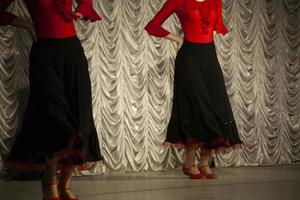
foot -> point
(50, 192)
(193, 172)
(191, 169)
(67, 194)
(205, 169)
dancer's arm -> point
(86, 11)
(219, 25)
(154, 27)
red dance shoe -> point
(56, 198)
(208, 175)
(62, 197)
(186, 170)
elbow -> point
(156, 30)
(149, 29)
(88, 12)
(221, 28)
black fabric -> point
(201, 109)
(59, 105)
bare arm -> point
(175, 38)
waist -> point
(196, 45)
(202, 39)
(200, 35)
(58, 43)
(55, 30)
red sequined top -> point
(198, 19)
(51, 18)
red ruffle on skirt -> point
(69, 156)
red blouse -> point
(51, 18)
(198, 19)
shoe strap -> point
(203, 166)
(189, 166)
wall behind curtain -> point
(132, 74)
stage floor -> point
(250, 183)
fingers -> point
(78, 15)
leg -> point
(49, 182)
(204, 164)
(189, 162)
(189, 168)
(64, 184)
(205, 158)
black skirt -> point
(201, 111)
(58, 122)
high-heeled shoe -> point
(208, 175)
(56, 198)
(47, 187)
(62, 197)
(186, 171)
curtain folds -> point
(132, 75)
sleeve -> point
(154, 27)
(85, 7)
(5, 17)
(219, 25)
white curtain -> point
(132, 75)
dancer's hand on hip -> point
(78, 15)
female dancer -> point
(58, 130)
(201, 114)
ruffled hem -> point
(88, 12)
(69, 156)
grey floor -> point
(251, 183)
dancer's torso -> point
(197, 19)
(50, 18)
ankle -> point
(68, 193)
(64, 188)
(203, 165)
(50, 190)
(189, 164)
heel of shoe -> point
(198, 176)
(62, 197)
(56, 198)
(186, 171)
(208, 175)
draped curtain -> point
(132, 82)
